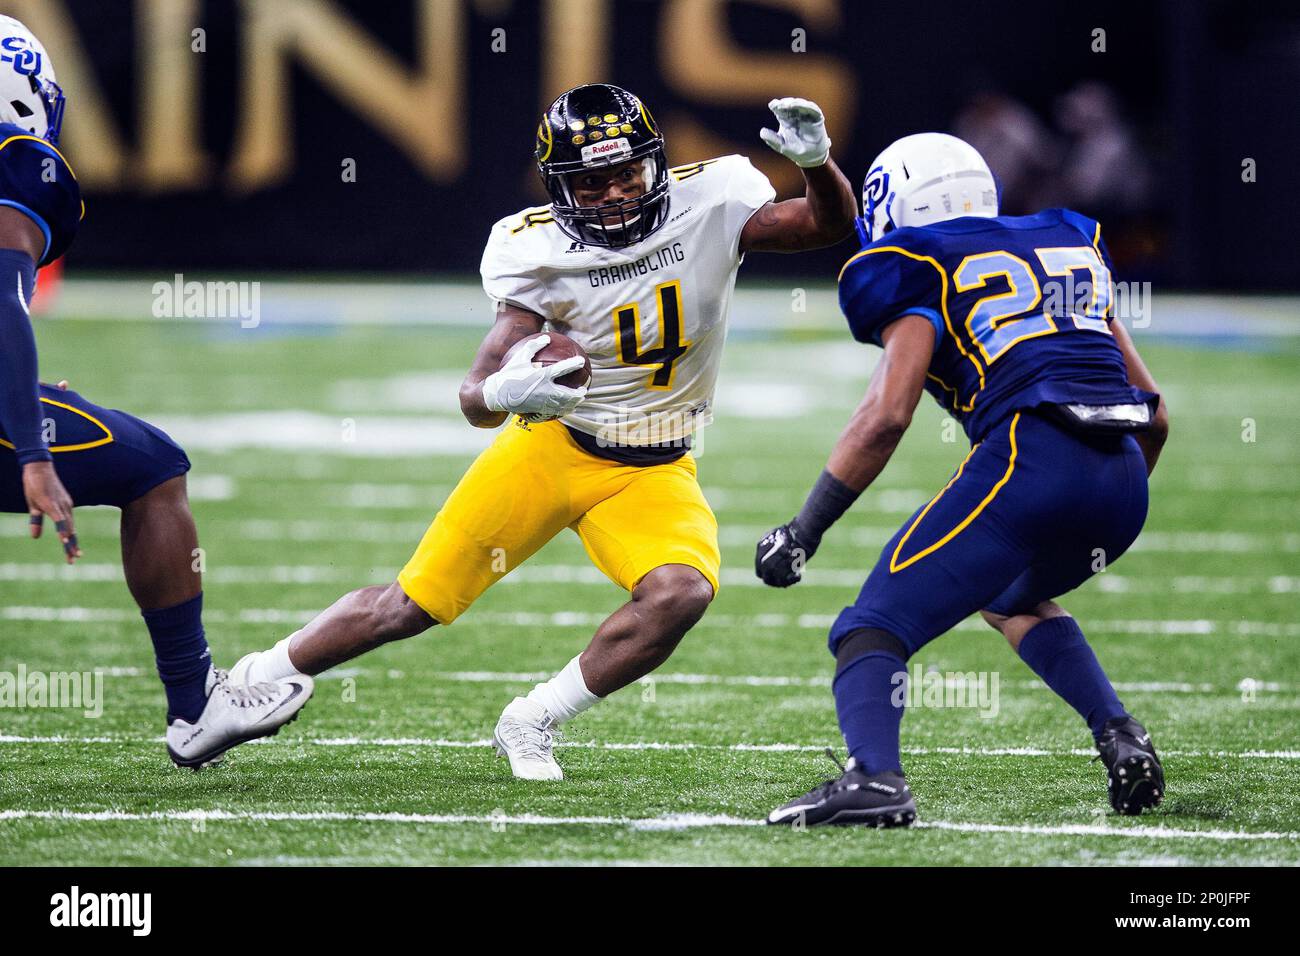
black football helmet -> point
(595, 126)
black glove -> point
(781, 555)
(784, 551)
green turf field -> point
(389, 763)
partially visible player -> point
(1007, 322)
(58, 451)
(635, 261)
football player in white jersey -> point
(636, 262)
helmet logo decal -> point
(875, 188)
(875, 195)
(544, 138)
(26, 61)
(647, 119)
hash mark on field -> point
(635, 745)
(680, 821)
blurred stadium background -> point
(349, 158)
(230, 158)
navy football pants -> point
(102, 456)
(1033, 512)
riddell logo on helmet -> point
(611, 147)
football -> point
(557, 350)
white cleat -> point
(234, 715)
(525, 735)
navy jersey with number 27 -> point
(1021, 308)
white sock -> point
(273, 664)
(565, 695)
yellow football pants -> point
(534, 481)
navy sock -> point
(865, 695)
(1056, 651)
(183, 657)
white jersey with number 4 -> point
(652, 316)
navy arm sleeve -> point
(20, 403)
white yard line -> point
(1083, 829)
(652, 745)
(681, 821)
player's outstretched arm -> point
(21, 244)
(861, 453)
(1153, 439)
(826, 212)
(511, 325)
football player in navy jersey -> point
(58, 451)
(1008, 323)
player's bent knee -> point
(1014, 627)
(1049, 609)
(675, 595)
(868, 640)
(994, 620)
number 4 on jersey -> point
(627, 327)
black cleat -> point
(854, 798)
(1136, 779)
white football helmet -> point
(29, 95)
(922, 179)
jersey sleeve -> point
(506, 277)
(745, 191)
(36, 180)
(884, 283)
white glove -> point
(802, 137)
(531, 390)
